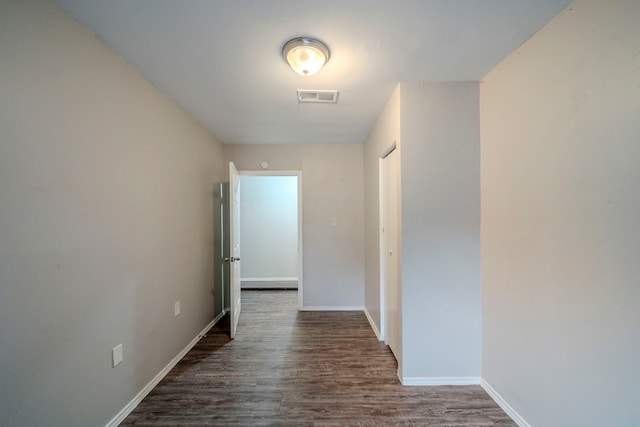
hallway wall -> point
(332, 187)
(560, 208)
(384, 133)
(106, 192)
(440, 190)
(436, 127)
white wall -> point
(560, 208)
(384, 133)
(269, 226)
(436, 127)
(440, 190)
(105, 221)
(332, 187)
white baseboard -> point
(263, 284)
(331, 308)
(515, 416)
(269, 279)
(432, 381)
(373, 325)
(115, 421)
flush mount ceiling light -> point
(305, 55)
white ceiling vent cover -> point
(318, 96)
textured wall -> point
(560, 208)
(106, 195)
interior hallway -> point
(307, 368)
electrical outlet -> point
(116, 355)
(334, 222)
(176, 308)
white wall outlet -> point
(116, 355)
(176, 308)
(334, 222)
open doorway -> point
(271, 231)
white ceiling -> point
(221, 59)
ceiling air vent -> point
(318, 96)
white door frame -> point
(298, 174)
(234, 248)
(383, 255)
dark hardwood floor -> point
(290, 368)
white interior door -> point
(389, 220)
(234, 247)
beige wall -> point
(105, 222)
(436, 128)
(440, 190)
(332, 187)
(384, 133)
(560, 209)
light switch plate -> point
(116, 355)
(334, 222)
(176, 308)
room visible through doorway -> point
(270, 230)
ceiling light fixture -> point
(305, 55)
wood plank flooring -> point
(290, 368)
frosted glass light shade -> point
(305, 55)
